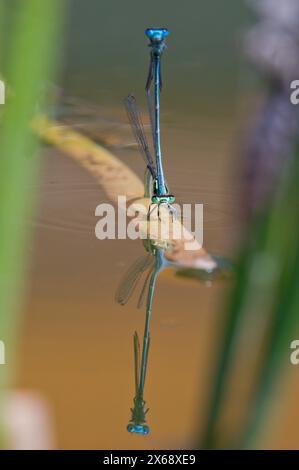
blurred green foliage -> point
(32, 42)
(263, 307)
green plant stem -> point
(273, 238)
(34, 40)
(285, 321)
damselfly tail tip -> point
(157, 34)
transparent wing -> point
(138, 130)
(87, 118)
(144, 288)
(160, 78)
(149, 97)
(136, 361)
(151, 115)
(150, 74)
(131, 278)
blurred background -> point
(219, 374)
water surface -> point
(77, 347)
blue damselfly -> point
(156, 186)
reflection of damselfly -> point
(148, 267)
(156, 184)
(151, 264)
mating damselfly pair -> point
(156, 186)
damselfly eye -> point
(130, 428)
(146, 430)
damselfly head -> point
(138, 424)
(156, 35)
(167, 199)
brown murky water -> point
(77, 343)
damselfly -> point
(156, 186)
(153, 264)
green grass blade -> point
(33, 42)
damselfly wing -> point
(138, 130)
(132, 277)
